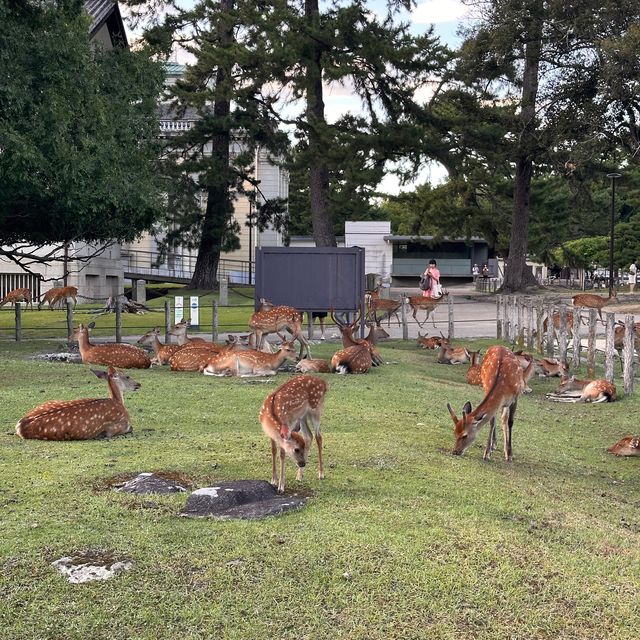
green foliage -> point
(78, 130)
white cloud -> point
(436, 11)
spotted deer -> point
(557, 322)
(571, 389)
(82, 419)
(348, 340)
(473, 372)
(313, 365)
(122, 356)
(423, 303)
(355, 359)
(550, 368)
(593, 301)
(452, 355)
(162, 351)
(179, 330)
(388, 307)
(288, 415)
(22, 294)
(628, 446)
(503, 382)
(250, 362)
(59, 295)
(428, 343)
(274, 318)
(196, 356)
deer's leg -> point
(274, 451)
(304, 344)
(281, 480)
(508, 416)
(314, 417)
(491, 440)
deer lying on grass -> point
(162, 351)
(122, 356)
(287, 416)
(502, 382)
(272, 319)
(82, 419)
(593, 301)
(452, 355)
(59, 295)
(628, 446)
(196, 356)
(571, 389)
(549, 368)
(18, 295)
(179, 330)
(425, 304)
(250, 362)
(348, 340)
(428, 343)
(388, 307)
(355, 359)
(473, 372)
(313, 365)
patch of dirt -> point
(91, 564)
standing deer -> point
(593, 301)
(179, 330)
(162, 351)
(123, 356)
(272, 319)
(18, 295)
(473, 372)
(59, 295)
(502, 381)
(424, 304)
(557, 323)
(628, 446)
(571, 389)
(287, 416)
(250, 362)
(82, 419)
(388, 307)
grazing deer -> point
(369, 341)
(628, 446)
(355, 359)
(287, 416)
(619, 333)
(162, 351)
(571, 389)
(502, 382)
(424, 303)
(473, 372)
(250, 362)
(313, 365)
(59, 295)
(179, 330)
(428, 343)
(196, 356)
(18, 295)
(556, 323)
(452, 355)
(272, 319)
(592, 301)
(549, 368)
(388, 307)
(82, 419)
(123, 356)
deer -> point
(628, 446)
(347, 329)
(389, 307)
(313, 365)
(593, 301)
(250, 362)
(355, 359)
(123, 356)
(452, 355)
(179, 330)
(428, 343)
(571, 389)
(425, 303)
(619, 332)
(272, 319)
(287, 417)
(22, 294)
(83, 419)
(196, 356)
(162, 351)
(549, 368)
(556, 323)
(473, 372)
(503, 380)
(59, 295)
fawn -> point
(286, 417)
(82, 419)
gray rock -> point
(241, 499)
(59, 357)
(91, 565)
(148, 483)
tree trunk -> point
(321, 217)
(518, 275)
(219, 211)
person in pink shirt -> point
(434, 273)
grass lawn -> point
(402, 539)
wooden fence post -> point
(18, 312)
(450, 313)
(610, 350)
(520, 312)
(403, 317)
(591, 344)
(627, 353)
(539, 326)
(550, 329)
(118, 321)
(69, 320)
(214, 322)
(167, 322)
(498, 317)
(530, 327)
(577, 342)
(562, 338)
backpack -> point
(425, 282)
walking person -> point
(433, 273)
(633, 275)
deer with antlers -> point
(422, 303)
(628, 446)
(59, 295)
(250, 362)
(288, 415)
(571, 389)
(274, 318)
(369, 341)
(503, 380)
(388, 307)
(122, 356)
(22, 294)
(82, 419)
(428, 343)
(593, 301)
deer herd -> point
(290, 415)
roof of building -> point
(174, 68)
(102, 10)
(394, 238)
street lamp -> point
(613, 177)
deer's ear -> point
(284, 432)
(452, 412)
(91, 325)
(296, 428)
(99, 373)
(635, 443)
(467, 408)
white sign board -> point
(179, 308)
(194, 318)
